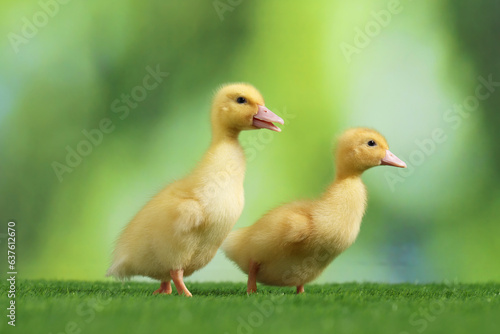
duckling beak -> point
(391, 160)
(264, 119)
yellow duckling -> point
(181, 228)
(292, 244)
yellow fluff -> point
(292, 244)
(181, 228)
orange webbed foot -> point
(165, 288)
(252, 277)
(177, 277)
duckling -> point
(180, 229)
(292, 244)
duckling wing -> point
(190, 215)
(287, 225)
(296, 222)
(296, 227)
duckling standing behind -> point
(292, 244)
(181, 228)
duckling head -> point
(240, 106)
(360, 149)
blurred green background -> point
(415, 71)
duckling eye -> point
(372, 143)
(241, 100)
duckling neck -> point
(343, 173)
(341, 209)
(225, 149)
(347, 192)
(220, 135)
(220, 177)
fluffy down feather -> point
(292, 244)
(181, 228)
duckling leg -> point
(300, 288)
(165, 288)
(252, 277)
(179, 283)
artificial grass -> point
(112, 307)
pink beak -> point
(391, 160)
(264, 119)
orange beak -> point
(391, 160)
(265, 118)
